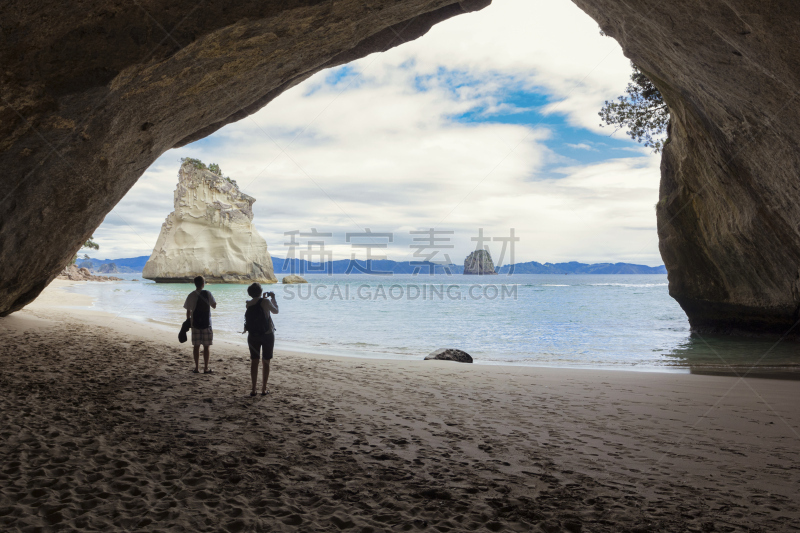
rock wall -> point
(92, 93)
(210, 233)
(729, 204)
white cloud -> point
(582, 146)
(538, 43)
(383, 150)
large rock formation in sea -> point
(479, 263)
(93, 93)
(210, 233)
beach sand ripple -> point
(106, 430)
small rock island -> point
(210, 233)
(479, 263)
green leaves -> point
(91, 244)
(642, 111)
(196, 163)
(213, 167)
(88, 244)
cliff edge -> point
(210, 233)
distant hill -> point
(573, 267)
(405, 267)
(130, 264)
(135, 264)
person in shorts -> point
(261, 332)
(198, 307)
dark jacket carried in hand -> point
(186, 326)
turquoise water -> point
(586, 321)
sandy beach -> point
(104, 427)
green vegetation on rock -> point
(88, 244)
(196, 163)
(642, 111)
(213, 167)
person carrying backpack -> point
(261, 332)
(198, 307)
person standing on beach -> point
(261, 332)
(198, 307)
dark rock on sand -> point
(449, 354)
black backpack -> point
(256, 320)
(201, 318)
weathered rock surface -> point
(93, 93)
(73, 273)
(210, 233)
(109, 268)
(449, 354)
(729, 203)
(479, 263)
(293, 278)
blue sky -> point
(573, 142)
(489, 121)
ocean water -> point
(581, 321)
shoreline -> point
(782, 372)
(51, 298)
(105, 427)
(47, 307)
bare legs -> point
(197, 358)
(266, 376)
(254, 375)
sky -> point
(487, 122)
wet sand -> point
(104, 427)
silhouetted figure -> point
(198, 307)
(261, 332)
